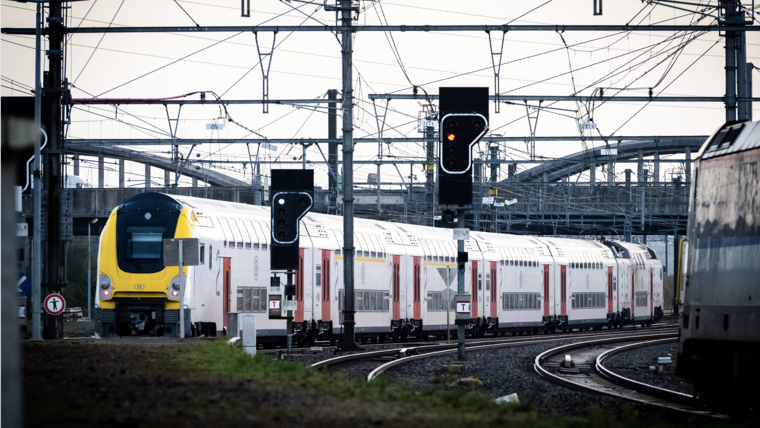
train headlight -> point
(106, 286)
(175, 293)
(175, 285)
(147, 216)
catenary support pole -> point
(460, 285)
(289, 276)
(37, 238)
(332, 151)
(349, 338)
(181, 291)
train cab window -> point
(263, 247)
(203, 254)
(144, 243)
(373, 254)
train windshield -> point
(144, 242)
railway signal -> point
(292, 197)
(463, 122)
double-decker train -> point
(720, 284)
(405, 275)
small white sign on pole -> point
(511, 202)
(22, 229)
(268, 146)
(588, 126)
(609, 152)
(461, 234)
(463, 307)
(289, 305)
(488, 199)
(499, 204)
(214, 126)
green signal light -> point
(281, 201)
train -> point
(718, 282)
(404, 277)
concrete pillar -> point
(101, 172)
(656, 178)
(147, 178)
(687, 166)
(611, 172)
(76, 167)
(121, 173)
(195, 184)
(167, 180)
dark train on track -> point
(720, 262)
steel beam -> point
(158, 101)
(384, 28)
(570, 98)
(309, 141)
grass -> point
(449, 406)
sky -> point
(307, 65)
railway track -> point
(393, 357)
(588, 373)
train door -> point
(493, 290)
(474, 289)
(546, 290)
(563, 289)
(396, 288)
(651, 291)
(326, 285)
(298, 317)
(417, 292)
(609, 289)
(633, 290)
(226, 272)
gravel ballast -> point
(634, 364)
(504, 371)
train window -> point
(366, 300)
(263, 247)
(318, 269)
(255, 246)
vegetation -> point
(445, 407)
(75, 291)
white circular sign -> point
(55, 304)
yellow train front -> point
(136, 294)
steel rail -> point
(395, 351)
(383, 28)
(501, 344)
(589, 387)
(644, 388)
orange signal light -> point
(451, 137)
(174, 293)
(106, 292)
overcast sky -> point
(306, 65)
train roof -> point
(407, 232)
(732, 137)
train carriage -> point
(517, 283)
(719, 341)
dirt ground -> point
(141, 383)
(136, 383)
